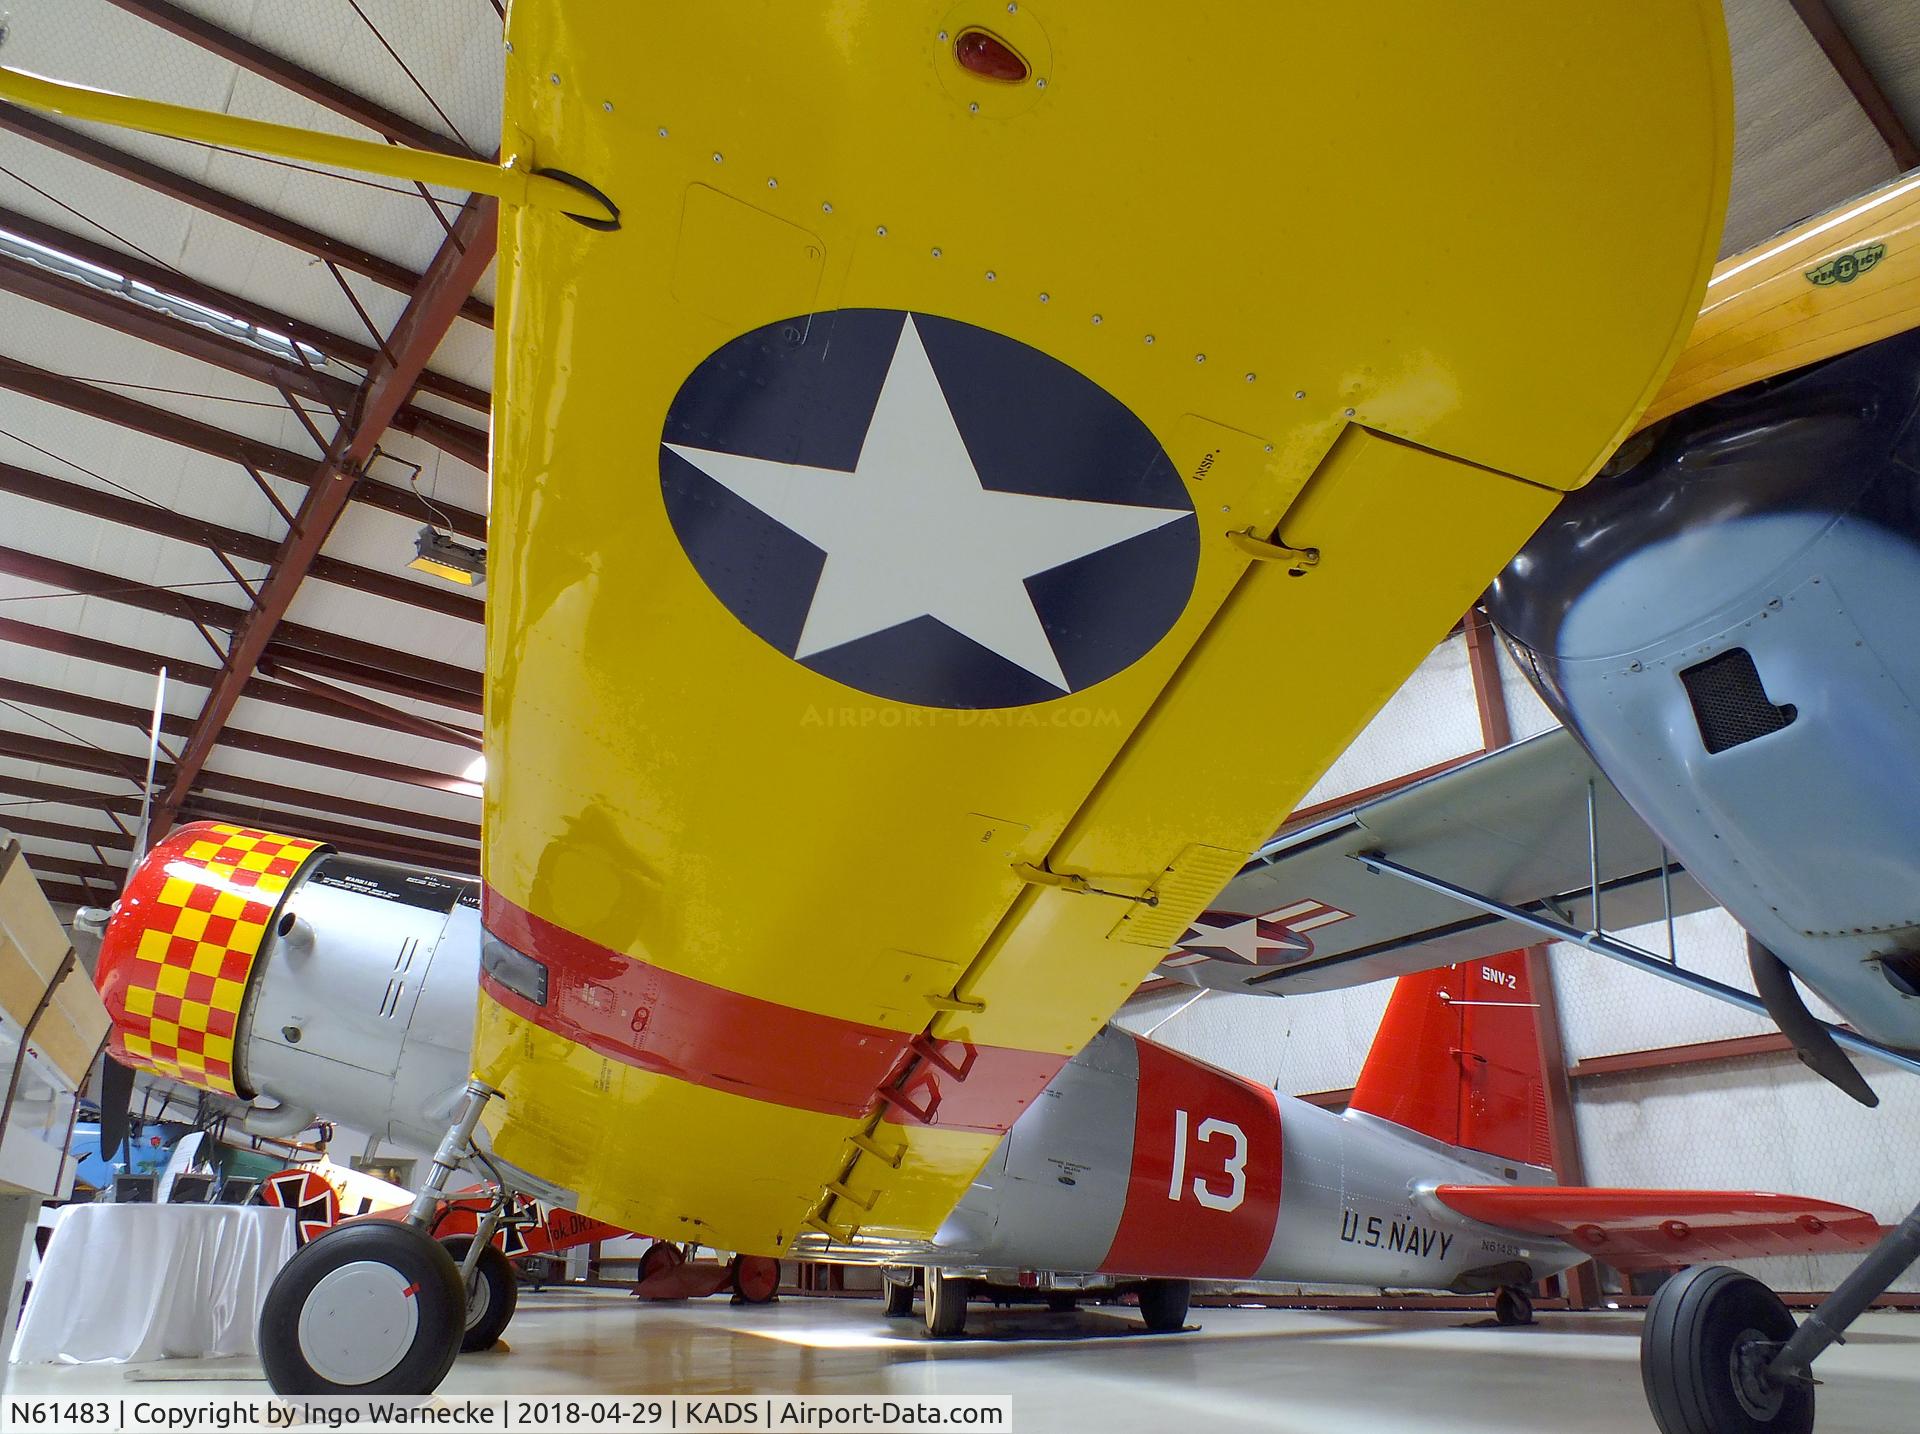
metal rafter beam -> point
(128, 513)
(1844, 55)
(284, 749)
(65, 832)
(284, 659)
(384, 715)
(182, 336)
(430, 680)
(171, 281)
(170, 427)
(1579, 1284)
(124, 412)
(1773, 1043)
(75, 144)
(283, 72)
(156, 326)
(75, 757)
(193, 674)
(1489, 695)
(257, 792)
(54, 795)
(456, 268)
(111, 876)
(395, 847)
(65, 893)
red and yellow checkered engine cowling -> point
(182, 943)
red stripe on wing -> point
(1647, 1229)
(674, 1025)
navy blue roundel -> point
(927, 511)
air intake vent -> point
(1902, 970)
(1729, 704)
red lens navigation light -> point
(989, 57)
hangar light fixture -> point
(448, 558)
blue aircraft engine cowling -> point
(1729, 619)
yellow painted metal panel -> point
(653, 1154)
(1261, 230)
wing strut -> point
(1602, 944)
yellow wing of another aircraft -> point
(1799, 298)
(1004, 453)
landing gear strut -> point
(1719, 1353)
(381, 1307)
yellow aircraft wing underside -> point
(1379, 280)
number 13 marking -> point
(1236, 1163)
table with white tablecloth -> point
(141, 1282)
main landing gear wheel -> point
(899, 1293)
(943, 1303)
(1164, 1304)
(1513, 1305)
(756, 1279)
(490, 1298)
(368, 1308)
(1709, 1335)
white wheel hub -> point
(358, 1323)
(479, 1298)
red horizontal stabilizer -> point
(1650, 1229)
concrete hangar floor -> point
(1316, 1372)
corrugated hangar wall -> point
(1756, 1122)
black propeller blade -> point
(116, 1105)
(1811, 1040)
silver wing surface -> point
(1534, 826)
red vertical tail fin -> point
(1458, 1059)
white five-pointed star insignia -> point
(1243, 939)
(910, 532)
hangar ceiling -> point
(232, 390)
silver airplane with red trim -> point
(1137, 1169)
(1142, 1169)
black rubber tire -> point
(1063, 1304)
(440, 1311)
(1164, 1304)
(899, 1297)
(495, 1274)
(1513, 1305)
(943, 1301)
(1694, 1324)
